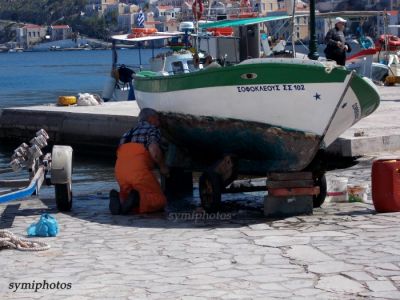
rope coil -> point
(329, 66)
(9, 240)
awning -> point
(242, 22)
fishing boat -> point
(273, 113)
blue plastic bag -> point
(47, 226)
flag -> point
(140, 19)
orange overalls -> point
(133, 170)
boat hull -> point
(259, 147)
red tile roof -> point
(165, 7)
(60, 26)
(32, 26)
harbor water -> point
(32, 78)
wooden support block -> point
(290, 184)
(288, 206)
(285, 192)
(290, 176)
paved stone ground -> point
(343, 251)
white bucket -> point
(337, 189)
(358, 192)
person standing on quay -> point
(336, 46)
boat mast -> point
(313, 53)
(114, 55)
(293, 37)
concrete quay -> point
(376, 133)
(101, 126)
(342, 251)
(94, 126)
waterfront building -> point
(60, 32)
(126, 21)
(168, 12)
(30, 35)
(127, 8)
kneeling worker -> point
(138, 150)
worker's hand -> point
(346, 48)
(164, 170)
(340, 45)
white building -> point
(30, 35)
(60, 32)
(126, 22)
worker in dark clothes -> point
(138, 152)
(336, 46)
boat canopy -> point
(242, 22)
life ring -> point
(66, 100)
(197, 9)
(141, 32)
(224, 31)
(144, 30)
(392, 40)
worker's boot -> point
(130, 203)
(115, 205)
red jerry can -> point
(386, 185)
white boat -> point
(274, 114)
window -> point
(191, 66)
(177, 67)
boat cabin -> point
(172, 63)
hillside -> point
(40, 11)
(50, 12)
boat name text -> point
(271, 88)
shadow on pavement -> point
(236, 211)
(14, 210)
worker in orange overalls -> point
(138, 151)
